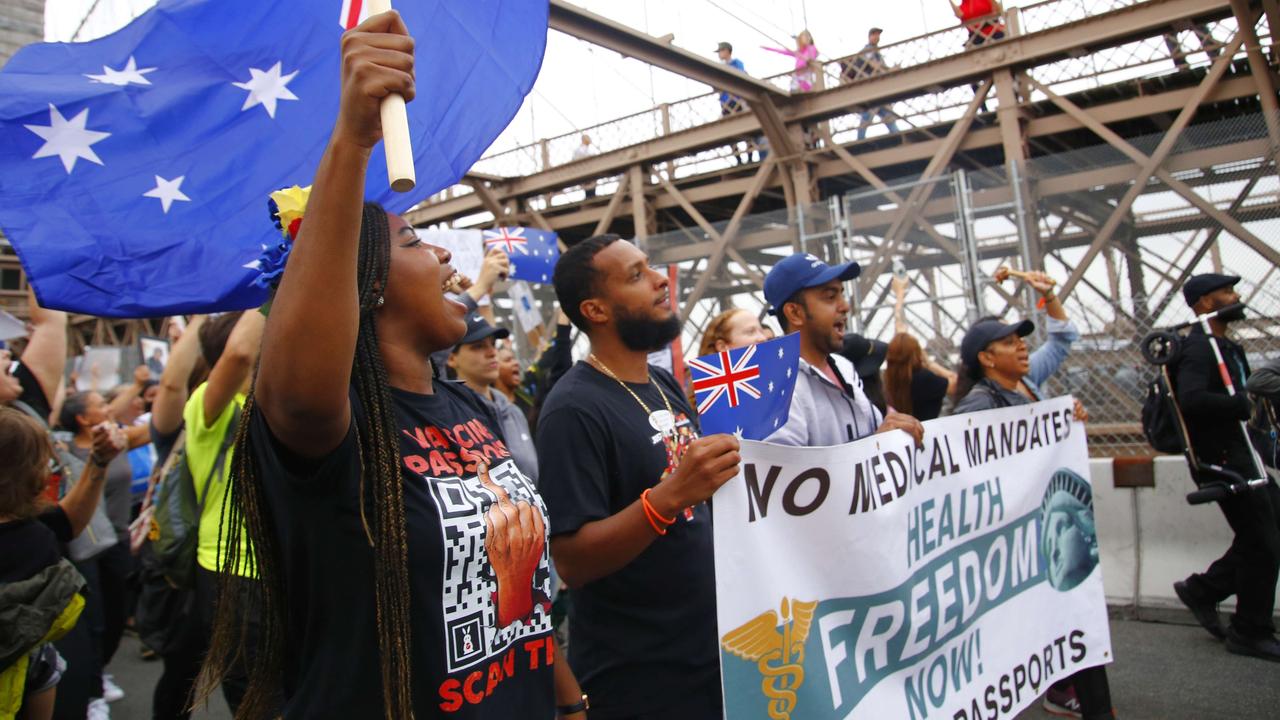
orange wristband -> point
(653, 516)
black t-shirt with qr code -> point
(478, 650)
(645, 636)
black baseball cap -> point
(724, 46)
(478, 329)
(866, 354)
(1200, 285)
(985, 332)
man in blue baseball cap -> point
(829, 406)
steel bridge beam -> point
(1014, 54)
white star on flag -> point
(780, 353)
(775, 422)
(130, 73)
(737, 432)
(266, 88)
(167, 191)
(68, 139)
(770, 386)
(255, 264)
(788, 372)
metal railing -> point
(1131, 288)
(930, 108)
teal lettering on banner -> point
(855, 643)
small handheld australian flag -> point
(533, 253)
(747, 392)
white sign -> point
(11, 327)
(99, 369)
(522, 303)
(880, 580)
(466, 246)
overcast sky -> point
(582, 85)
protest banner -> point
(878, 579)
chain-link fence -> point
(1217, 208)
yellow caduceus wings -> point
(776, 645)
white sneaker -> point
(111, 692)
(99, 710)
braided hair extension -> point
(381, 497)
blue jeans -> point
(883, 113)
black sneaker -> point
(1205, 613)
(1265, 647)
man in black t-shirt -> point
(1251, 565)
(625, 478)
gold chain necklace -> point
(648, 413)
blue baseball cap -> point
(478, 329)
(797, 272)
(985, 332)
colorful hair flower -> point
(287, 208)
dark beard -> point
(1236, 313)
(643, 334)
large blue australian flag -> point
(533, 253)
(135, 169)
(747, 392)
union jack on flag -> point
(725, 379)
(509, 239)
(354, 12)
(747, 392)
(533, 252)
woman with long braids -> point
(402, 555)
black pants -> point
(82, 680)
(1093, 691)
(1250, 567)
(115, 566)
(172, 697)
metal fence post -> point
(970, 273)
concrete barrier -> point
(1149, 537)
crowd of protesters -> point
(379, 499)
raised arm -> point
(496, 265)
(171, 395)
(899, 305)
(46, 353)
(311, 338)
(80, 502)
(228, 375)
(780, 51)
(128, 394)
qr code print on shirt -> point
(470, 618)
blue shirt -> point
(726, 97)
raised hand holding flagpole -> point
(395, 129)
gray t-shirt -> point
(116, 495)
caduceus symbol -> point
(776, 645)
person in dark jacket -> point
(997, 366)
(1250, 566)
(41, 592)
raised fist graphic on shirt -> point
(514, 538)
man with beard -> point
(625, 477)
(829, 406)
(1250, 566)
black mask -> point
(644, 334)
